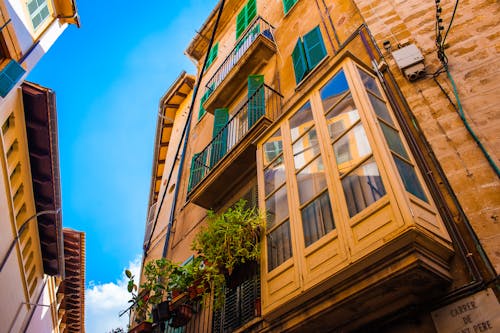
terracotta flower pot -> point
(143, 327)
(161, 312)
(181, 316)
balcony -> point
(230, 156)
(252, 51)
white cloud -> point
(104, 301)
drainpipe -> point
(186, 131)
(477, 283)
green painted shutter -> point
(245, 16)
(314, 47)
(219, 134)
(197, 169)
(212, 54)
(241, 20)
(256, 99)
(299, 61)
(251, 11)
(287, 4)
(9, 77)
(202, 110)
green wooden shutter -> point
(256, 99)
(212, 54)
(314, 47)
(245, 16)
(287, 4)
(299, 61)
(219, 134)
(9, 77)
(202, 110)
(241, 20)
(197, 169)
(251, 11)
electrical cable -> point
(441, 54)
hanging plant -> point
(230, 239)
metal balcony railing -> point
(265, 101)
(254, 30)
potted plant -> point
(140, 304)
(229, 240)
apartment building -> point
(37, 263)
(367, 133)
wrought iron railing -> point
(265, 101)
(257, 28)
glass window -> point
(334, 90)
(279, 246)
(317, 219)
(38, 10)
(305, 149)
(362, 187)
(351, 148)
(301, 121)
(410, 179)
(369, 83)
(393, 140)
(274, 175)
(273, 147)
(380, 109)
(342, 116)
(277, 207)
(311, 180)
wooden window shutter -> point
(212, 54)
(9, 76)
(251, 10)
(241, 20)
(202, 110)
(287, 4)
(299, 61)
(219, 134)
(197, 169)
(256, 99)
(314, 47)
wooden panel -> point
(426, 217)
(374, 226)
(323, 258)
(280, 285)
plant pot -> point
(163, 311)
(144, 327)
(181, 316)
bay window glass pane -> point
(301, 121)
(351, 147)
(305, 149)
(362, 187)
(410, 179)
(317, 219)
(369, 83)
(273, 147)
(311, 180)
(334, 90)
(393, 140)
(341, 117)
(277, 207)
(279, 246)
(274, 175)
(380, 109)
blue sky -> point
(108, 77)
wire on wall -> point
(441, 54)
